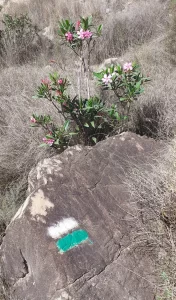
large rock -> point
(74, 236)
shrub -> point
(126, 83)
(91, 118)
(17, 39)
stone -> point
(80, 198)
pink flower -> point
(69, 36)
(127, 67)
(87, 34)
(84, 34)
(48, 141)
(52, 61)
(80, 34)
(33, 120)
(60, 81)
(107, 79)
(58, 93)
(78, 23)
(45, 81)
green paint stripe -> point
(72, 239)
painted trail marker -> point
(62, 227)
(68, 239)
(72, 240)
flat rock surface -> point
(74, 236)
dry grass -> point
(130, 27)
(45, 13)
(153, 114)
(135, 34)
(171, 32)
(19, 40)
(153, 187)
(125, 23)
(19, 150)
(19, 143)
(154, 111)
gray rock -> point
(81, 189)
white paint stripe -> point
(62, 227)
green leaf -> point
(94, 139)
(42, 145)
(117, 116)
(146, 79)
(93, 124)
(89, 20)
(34, 125)
(86, 125)
(56, 142)
(66, 125)
(123, 99)
(49, 136)
(98, 75)
(119, 68)
(73, 133)
(138, 84)
(99, 29)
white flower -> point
(107, 79)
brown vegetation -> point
(153, 188)
(143, 31)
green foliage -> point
(17, 37)
(65, 26)
(20, 24)
(76, 34)
(89, 118)
(53, 88)
(126, 82)
(56, 137)
(127, 85)
(40, 120)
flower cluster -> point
(91, 119)
(54, 86)
(126, 81)
(84, 34)
(75, 33)
(45, 81)
(107, 79)
(49, 142)
(127, 67)
(69, 36)
(78, 24)
(60, 81)
(80, 34)
(33, 120)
